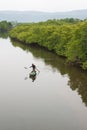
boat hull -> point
(32, 73)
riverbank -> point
(65, 38)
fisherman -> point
(33, 67)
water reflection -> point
(77, 77)
(33, 77)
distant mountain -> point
(35, 16)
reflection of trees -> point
(77, 77)
(78, 81)
(4, 35)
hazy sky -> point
(43, 5)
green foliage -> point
(5, 26)
(66, 37)
(84, 65)
(77, 46)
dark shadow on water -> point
(77, 77)
(32, 77)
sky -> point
(43, 5)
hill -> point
(35, 16)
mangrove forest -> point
(66, 37)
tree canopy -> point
(66, 37)
(5, 26)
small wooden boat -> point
(32, 73)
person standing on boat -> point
(33, 67)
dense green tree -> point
(77, 46)
(5, 26)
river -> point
(55, 100)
